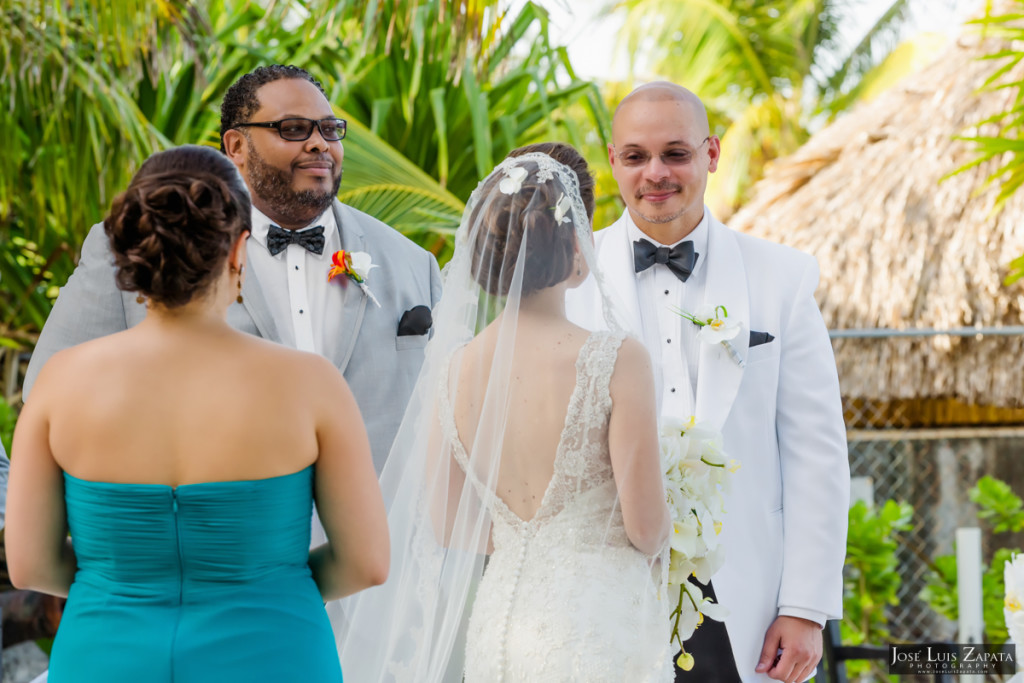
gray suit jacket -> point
(380, 367)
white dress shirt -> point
(671, 339)
(306, 307)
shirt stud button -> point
(673, 390)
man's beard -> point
(274, 187)
(659, 187)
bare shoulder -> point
(633, 355)
(69, 368)
(632, 367)
(311, 369)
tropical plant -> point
(1003, 511)
(1005, 20)
(453, 95)
(871, 578)
(8, 417)
(71, 131)
(435, 92)
(766, 70)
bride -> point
(530, 442)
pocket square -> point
(416, 321)
(758, 338)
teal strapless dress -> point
(205, 583)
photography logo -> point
(952, 658)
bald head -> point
(664, 91)
(661, 154)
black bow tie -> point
(311, 239)
(680, 259)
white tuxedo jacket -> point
(381, 367)
(781, 418)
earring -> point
(579, 267)
(140, 299)
(241, 269)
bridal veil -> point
(412, 628)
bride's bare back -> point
(543, 376)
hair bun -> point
(171, 230)
(507, 220)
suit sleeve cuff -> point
(818, 618)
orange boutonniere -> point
(356, 265)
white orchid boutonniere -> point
(513, 182)
(715, 328)
(356, 265)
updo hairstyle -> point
(172, 229)
(505, 219)
(567, 156)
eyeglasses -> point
(297, 130)
(677, 156)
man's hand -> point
(800, 642)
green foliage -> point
(998, 505)
(8, 416)
(435, 91)
(454, 108)
(1002, 509)
(871, 580)
(1006, 149)
(71, 132)
(765, 69)
(940, 592)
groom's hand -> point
(800, 643)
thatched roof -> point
(900, 249)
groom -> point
(278, 128)
(779, 410)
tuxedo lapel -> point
(718, 377)
(340, 350)
(256, 305)
(615, 263)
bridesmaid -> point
(184, 458)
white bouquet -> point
(695, 469)
(1013, 604)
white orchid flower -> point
(562, 207)
(695, 470)
(1013, 604)
(680, 569)
(513, 182)
(715, 325)
(707, 531)
(713, 610)
(362, 264)
(683, 538)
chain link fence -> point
(894, 457)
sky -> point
(589, 39)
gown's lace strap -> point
(593, 375)
(591, 401)
(602, 365)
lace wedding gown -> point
(565, 596)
